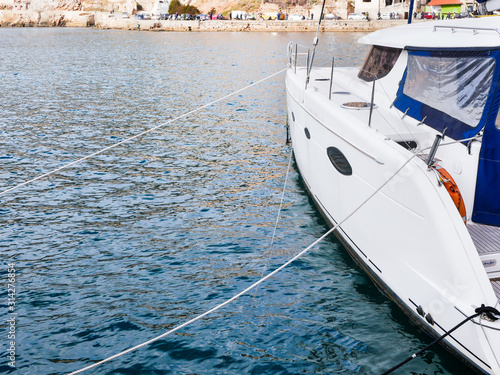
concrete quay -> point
(254, 26)
(104, 20)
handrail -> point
(294, 54)
(474, 29)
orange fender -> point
(452, 188)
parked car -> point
(143, 16)
(296, 17)
(386, 16)
(187, 17)
(428, 15)
(203, 17)
(218, 17)
(356, 16)
(125, 15)
(331, 16)
(269, 16)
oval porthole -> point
(308, 135)
(339, 161)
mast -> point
(410, 11)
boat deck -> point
(353, 96)
(496, 287)
(485, 237)
(487, 241)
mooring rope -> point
(491, 312)
(487, 338)
(268, 255)
(260, 281)
(282, 195)
(139, 135)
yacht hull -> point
(396, 221)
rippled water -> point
(120, 248)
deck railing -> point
(298, 52)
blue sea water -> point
(122, 247)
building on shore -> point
(155, 7)
(445, 8)
(400, 8)
(373, 8)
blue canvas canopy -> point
(449, 89)
(458, 90)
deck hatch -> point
(357, 105)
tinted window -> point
(379, 63)
(308, 135)
(339, 161)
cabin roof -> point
(461, 33)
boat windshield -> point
(458, 87)
(379, 63)
(448, 89)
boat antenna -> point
(315, 43)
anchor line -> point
(282, 196)
(261, 280)
(258, 282)
(491, 312)
(268, 255)
(138, 135)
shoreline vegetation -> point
(105, 20)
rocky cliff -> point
(39, 5)
(20, 10)
(67, 5)
(205, 6)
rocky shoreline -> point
(104, 20)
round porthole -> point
(308, 135)
(339, 161)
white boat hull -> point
(408, 236)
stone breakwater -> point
(107, 21)
(46, 18)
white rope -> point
(257, 283)
(268, 255)
(218, 307)
(282, 197)
(138, 135)
(260, 281)
(488, 341)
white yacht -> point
(404, 154)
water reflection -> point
(121, 247)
